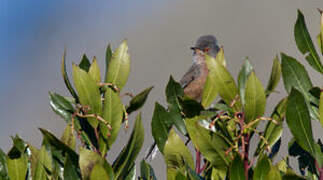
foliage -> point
(220, 133)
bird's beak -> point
(193, 48)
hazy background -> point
(33, 34)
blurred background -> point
(33, 34)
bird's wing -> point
(190, 75)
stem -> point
(198, 161)
(246, 155)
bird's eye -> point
(206, 49)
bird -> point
(194, 79)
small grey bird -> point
(194, 79)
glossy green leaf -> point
(66, 79)
(160, 125)
(70, 171)
(112, 114)
(59, 145)
(295, 75)
(237, 169)
(146, 171)
(94, 70)
(3, 166)
(85, 63)
(321, 108)
(44, 162)
(61, 106)
(176, 154)
(139, 100)
(242, 79)
(69, 137)
(88, 159)
(131, 174)
(89, 93)
(211, 145)
(274, 76)
(98, 172)
(173, 92)
(17, 167)
(119, 66)
(273, 131)
(227, 87)
(255, 99)
(299, 121)
(129, 153)
(262, 168)
(305, 44)
(274, 174)
(108, 56)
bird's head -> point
(208, 44)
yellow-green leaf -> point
(274, 76)
(119, 66)
(94, 70)
(321, 108)
(255, 98)
(176, 153)
(89, 93)
(69, 137)
(66, 79)
(17, 168)
(98, 172)
(44, 162)
(112, 114)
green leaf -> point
(131, 175)
(262, 168)
(128, 155)
(69, 137)
(273, 131)
(94, 71)
(98, 172)
(44, 162)
(274, 76)
(146, 171)
(299, 121)
(274, 174)
(295, 75)
(180, 176)
(66, 80)
(321, 108)
(305, 44)
(89, 93)
(160, 125)
(70, 171)
(85, 63)
(255, 98)
(173, 92)
(218, 174)
(320, 41)
(119, 66)
(112, 114)
(210, 91)
(17, 167)
(3, 166)
(108, 56)
(88, 159)
(211, 145)
(61, 106)
(138, 101)
(237, 169)
(292, 176)
(242, 79)
(176, 153)
(225, 85)
(59, 145)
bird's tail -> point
(151, 152)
